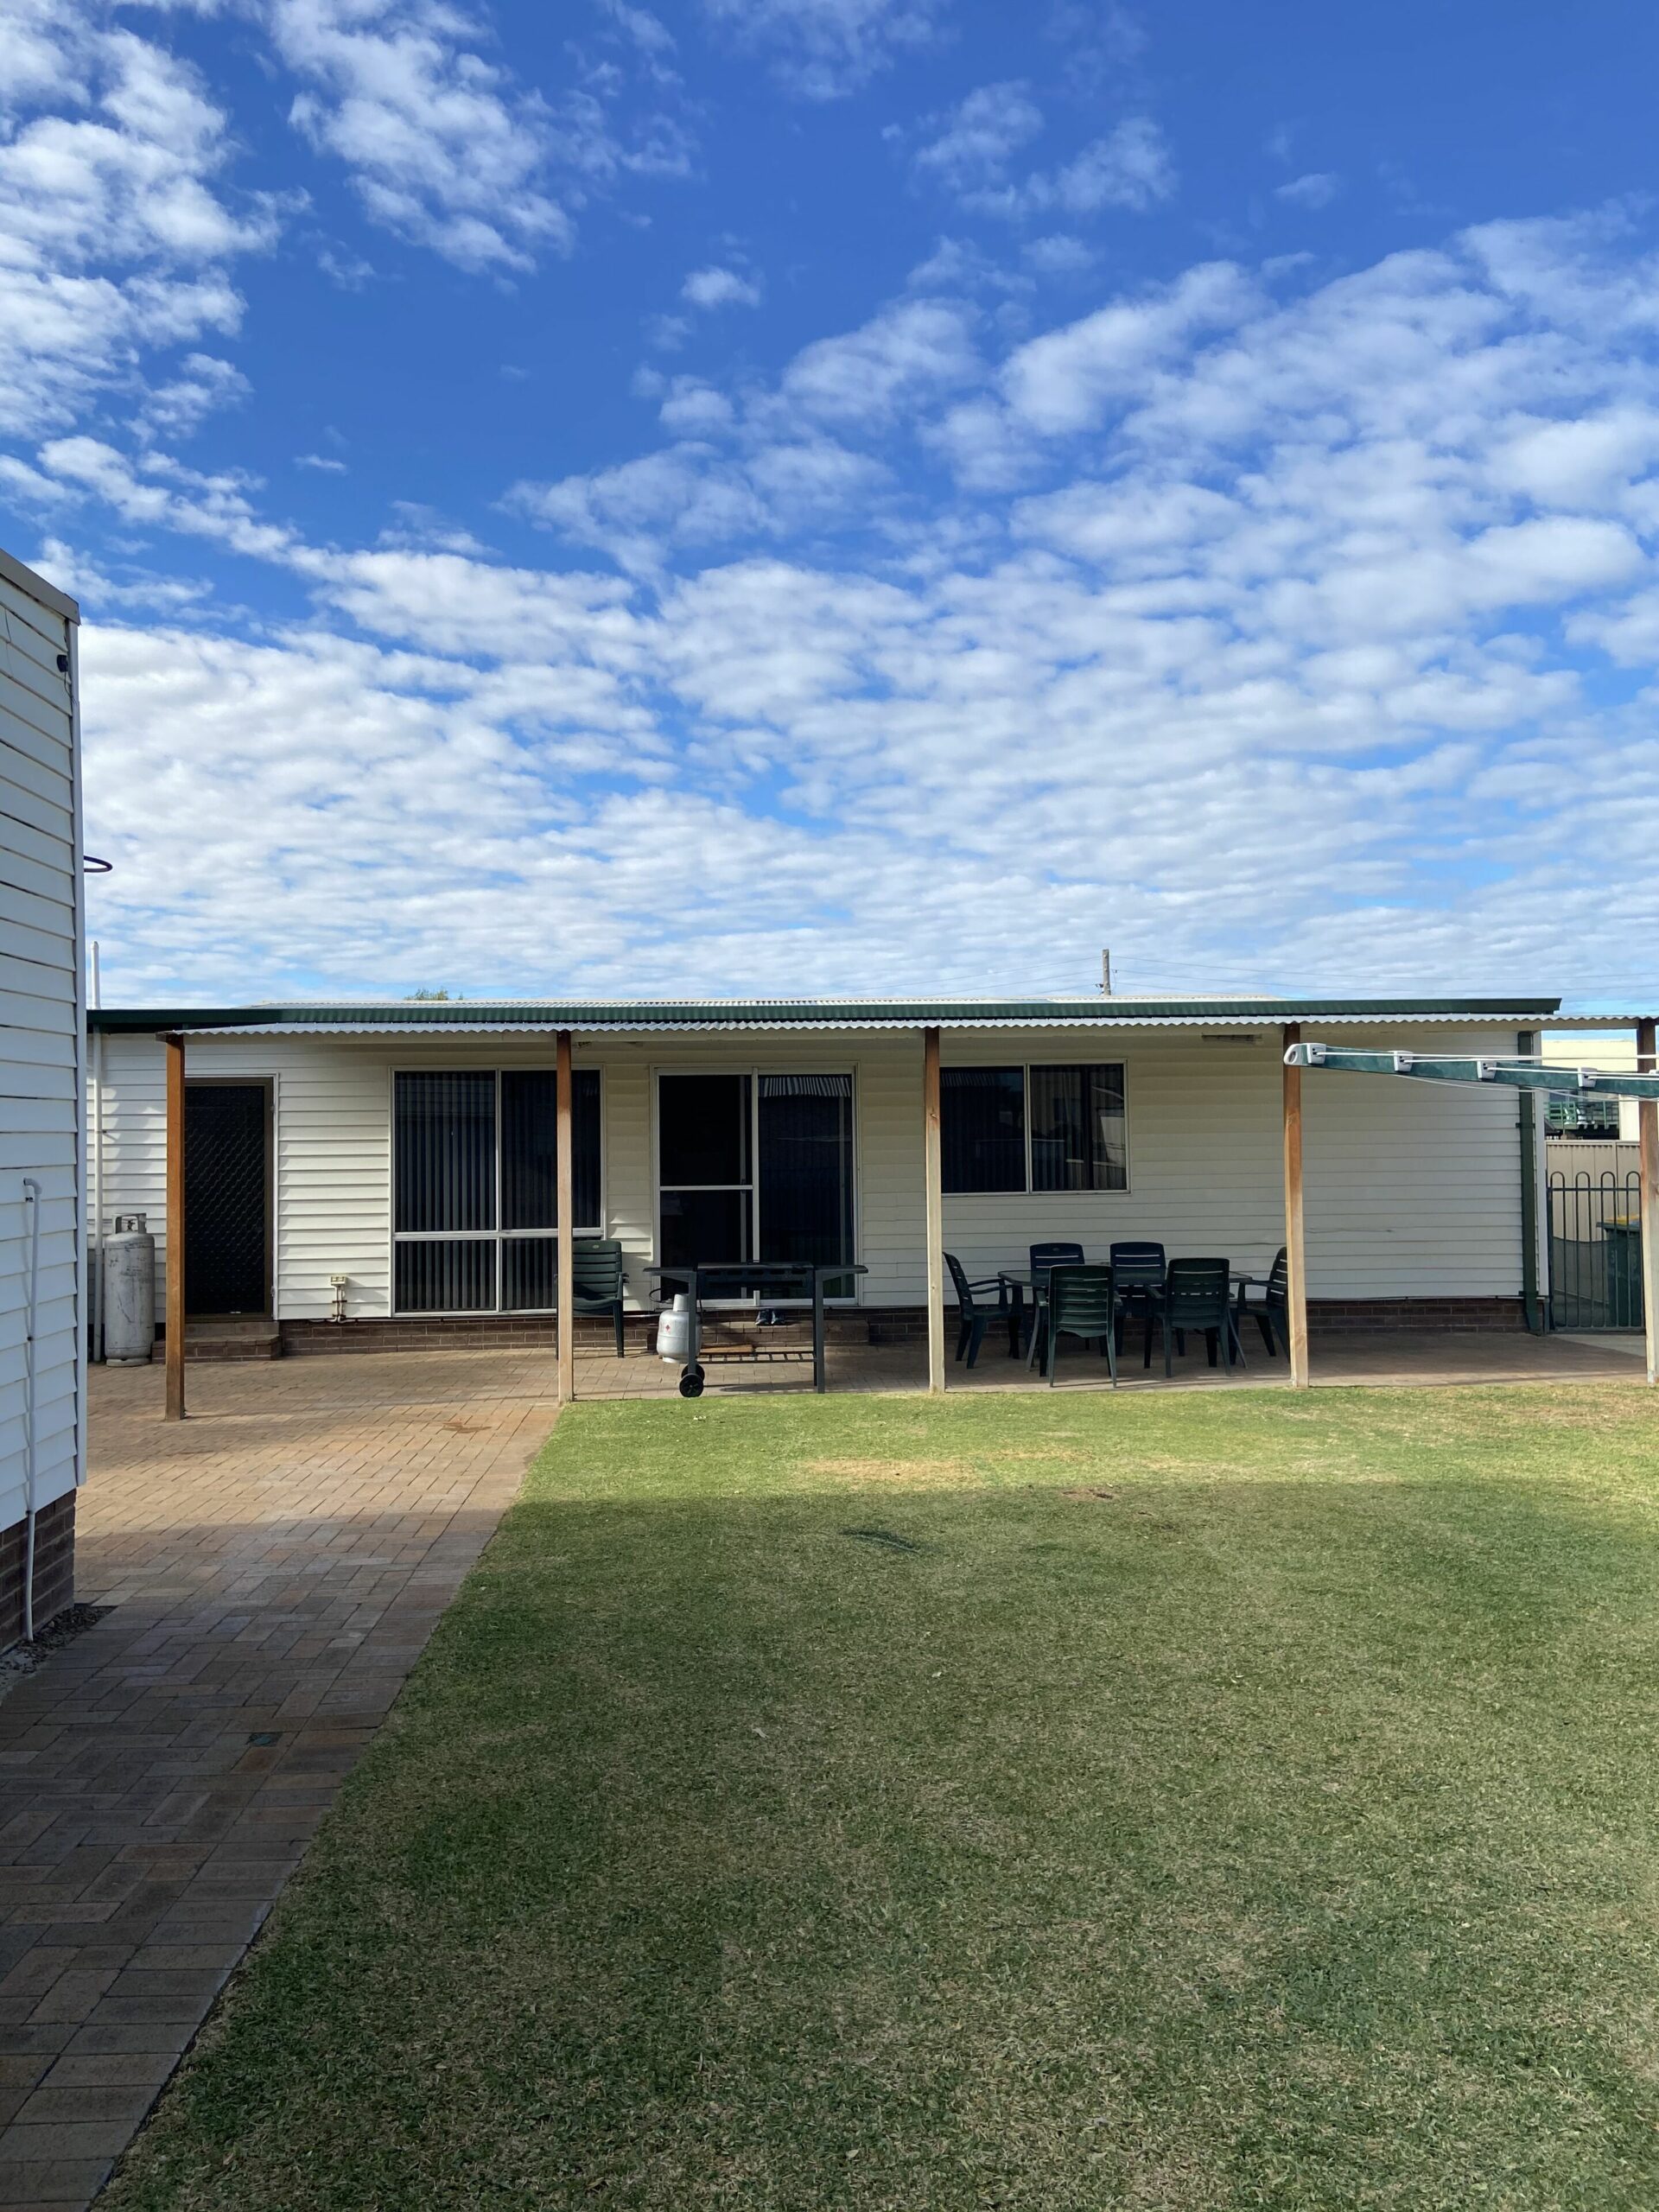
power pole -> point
(1106, 974)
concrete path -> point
(276, 1566)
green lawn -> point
(1208, 1799)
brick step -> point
(220, 1341)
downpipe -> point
(32, 1200)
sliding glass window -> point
(983, 1128)
(1033, 1128)
(1077, 1130)
(475, 1187)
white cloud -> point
(1059, 254)
(694, 410)
(155, 491)
(1320, 575)
(325, 463)
(1064, 380)
(825, 48)
(691, 495)
(1317, 190)
(31, 53)
(203, 384)
(973, 145)
(720, 288)
(441, 148)
(116, 231)
(1584, 461)
(917, 348)
(1130, 169)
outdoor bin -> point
(1623, 1247)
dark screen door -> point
(225, 1214)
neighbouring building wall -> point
(1597, 1048)
(41, 1023)
(1413, 1191)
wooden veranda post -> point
(1647, 1129)
(933, 1172)
(566, 1179)
(1296, 1256)
(174, 1347)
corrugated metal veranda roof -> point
(481, 1017)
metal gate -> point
(1595, 1249)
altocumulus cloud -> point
(1265, 656)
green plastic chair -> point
(1272, 1314)
(1138, 1266)
(1195, 1298)
(598, 1271)
(973, 1318)
(1057, 1253)
(1082, 1302)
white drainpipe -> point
(32, 1200)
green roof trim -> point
(849, 1013)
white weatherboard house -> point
(385, 1173)
(41, 1021)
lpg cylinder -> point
(129, 1292)
(674, 1328)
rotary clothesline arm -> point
(1462, 1067)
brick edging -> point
(890, 1325)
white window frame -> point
(497, 1235)
(1025, 1068)
(755, 1070)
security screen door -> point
(226, 1197)
(756, 1166)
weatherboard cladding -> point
(1413, 1191)
(40, 1037)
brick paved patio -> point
(276, 1565)
(1390, 1358)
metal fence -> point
(1595, 1249)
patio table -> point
(1020, 1280)
(782, 1278)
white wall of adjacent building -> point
(1593, 1048)
(1413, 1191)
(42, 1018)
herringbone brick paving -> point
(276, 1564)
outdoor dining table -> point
(737, 1279)
(1034, 1279)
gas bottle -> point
(674, 1328)
(129, 1292)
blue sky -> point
(774, 495)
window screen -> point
(983, 1128)
(806, 1168)
(529, 1137)
(446, 1153)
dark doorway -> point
(226, 1197)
